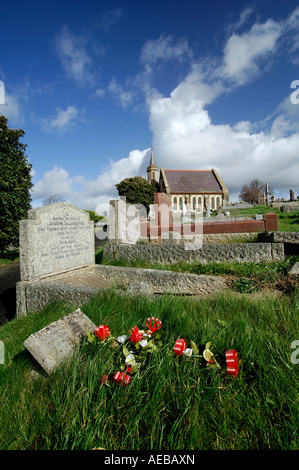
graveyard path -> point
(9, 276)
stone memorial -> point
(56, 342)
(55, 239)
(124, 222)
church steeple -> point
(152, 170)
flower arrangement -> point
(140, 343)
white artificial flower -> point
(130, 359)
(188, 352)
(121, 339)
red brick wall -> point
(242, 226)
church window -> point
(175, 203)
(199, 201)
(194, 203)
(212, 202)
(181, 203)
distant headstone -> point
(124, 222)
(58, 341)
(55, 239)
(292, 195)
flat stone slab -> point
(56, 342)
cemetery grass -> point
(8, 256)
(287, 222)
(172, 403)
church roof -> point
(192, 181)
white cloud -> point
(56, 181)
(74, 56)
(164, 48)
(243, 52)
(12, 109)
(124, 98)
(186, 138)
(110, 18)
(62, 121)
(93, 195)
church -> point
(189, 189)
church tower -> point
(152, 171)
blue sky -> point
(95, 84)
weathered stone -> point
(208, 253)
(56, 342)
(289, 208)
(55, 239)
(32, 297)
(139, 288)
(294, 270)
(124, 222)
(160, 281)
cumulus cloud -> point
(55, 181)
(92, 194)
(186, 138)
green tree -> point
(15, 184)
(137, 191)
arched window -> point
(218, 202)
(199, 201)
(175, 203)
(153, 175)
(194, 203)
(212, 202)
(181, 203)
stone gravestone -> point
(124, 222)
(59, 340)
(55, 239)
(292, 195)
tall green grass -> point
(173, 403)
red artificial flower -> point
(102, 332)
(126, 380)
(122, 377)
(179, 346)
(118, 377)
(135, 335)
(232, 362)
(153, 324)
